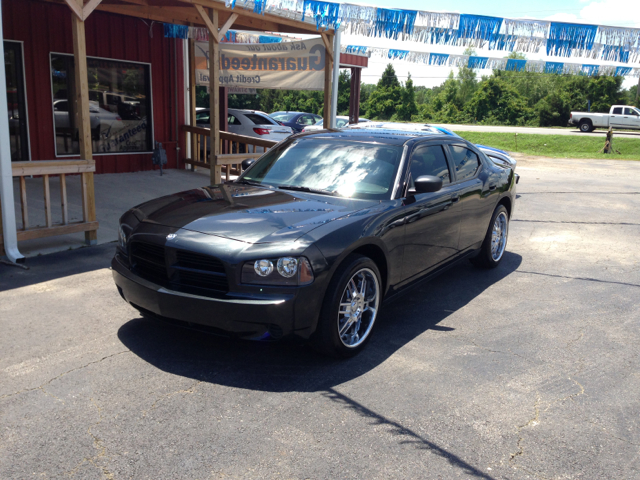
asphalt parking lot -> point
(527, 371)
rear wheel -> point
(585, 126)
(495, 241)
(350, 308)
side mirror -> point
(428, 184)
(247, 163)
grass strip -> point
(557, 146)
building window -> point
(16, 101)
(119, 105)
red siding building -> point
(136, 86)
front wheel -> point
(495, 241)
(350, 308)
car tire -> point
(495, 241)
(585, 126)
(349, 309)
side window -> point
(429, 160)
(617, 111)
(306, 120)
(113, 99)
(465, 162)
(232, 120)
(630, 111)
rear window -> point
(259, 119)
(283, 116)
(617, 111)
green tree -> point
(383, 100)
(344, 92)
(389, 78)
(407, 107)
(497, 102)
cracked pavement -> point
(529, 371)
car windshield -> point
(341, 122)
(340, 167)
(283, 116)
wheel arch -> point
(377, 255)
(506, 202)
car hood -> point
(247, 213)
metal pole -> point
(9, 229)
(336, 75)
(638, 92)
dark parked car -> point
(311, 239)
(296, 120)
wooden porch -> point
(220, 149)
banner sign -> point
(281, 66)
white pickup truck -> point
(620, 116)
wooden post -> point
(63, 199)
(47, 201)
(215, 171)
(84, 125)
(192, 95)
(23, 203)
(328, 72)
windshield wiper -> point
(249, 182)
(297, 188)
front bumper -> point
(244, 316)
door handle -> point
(455, 198)
(492, 188)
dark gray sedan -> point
(314, 237)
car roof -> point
(290, 111)
(491, 149)
(375, 135)
(244, 110)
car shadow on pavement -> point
(291, 367)
(286, 367)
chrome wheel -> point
(358, 307)
(499, 236)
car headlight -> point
(285, 271)
(122, 237)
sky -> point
(621, 13)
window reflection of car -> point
(102, 121)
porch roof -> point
(186, 12)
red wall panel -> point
(46, 28)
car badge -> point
(171, 236)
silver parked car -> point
(251, 123)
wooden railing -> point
(88, 224)
(234, 149)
